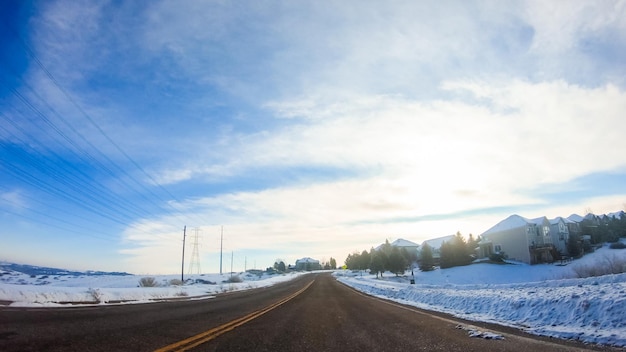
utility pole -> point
(221, 248)
(232, 254)
(182, 272)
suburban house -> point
(410, 247)
(559, 231)
(522, 239)
(435, 245)
(308, 264)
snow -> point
(540, 299)
(575, 218)
(22, 290)
(512, 222)
(436, 243)
(401, 242)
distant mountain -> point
(38, 270)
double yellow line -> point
(211, 334)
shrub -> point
(234, 279)
(96, 294)
(176, 282)
(618, 245)
(498, 257)
(148, 282)
(610, 265)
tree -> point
(279, 265)
(364, 260)
(409, 256)
(427, 263)
(573, 245)
(455, 252)
(446, 253)
(396, 261)
(353, 261)
(472, 244)
(333, 263)
(377, 264)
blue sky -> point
(303, 128)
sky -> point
(298, 129)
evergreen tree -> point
(333, 263)
(396, 261)
(409, 256)
(472, 244)
(427, 263)
(455, 252)
(573, 245)
(461, 250)
(446, 256)
(365, 260)
(279, 265)
(352, 261)
(377, 264)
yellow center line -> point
(211, 334)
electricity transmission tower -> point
(195, 255)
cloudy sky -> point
(304, 128)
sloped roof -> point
(307, 260)
(400, 242)
(512, 222)
(575, 218)
(556, 220)
(537, 221)
(559, 218)
(590, 216)
(437, 242)
(618, 215)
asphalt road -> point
(312, 313)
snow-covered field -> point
(541, 299)
(23, 290)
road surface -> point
(311, 313)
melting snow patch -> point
(472, 331)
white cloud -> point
(13, 199)
(559, 26)
(417, 159)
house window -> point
(498, 248)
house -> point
(410, 247)
(559, 231)
(435, 245)
(308, 264)
(573, 224)
(522, 239)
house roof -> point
(512, 222)
(307, 260)
(575, 218)
(556, 220)
(538, 221)
(618, 215)
(400, 242)
(437, 242)
(559, 218)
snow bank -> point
(590, 310)
(21, 290)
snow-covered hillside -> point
(541, 299)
